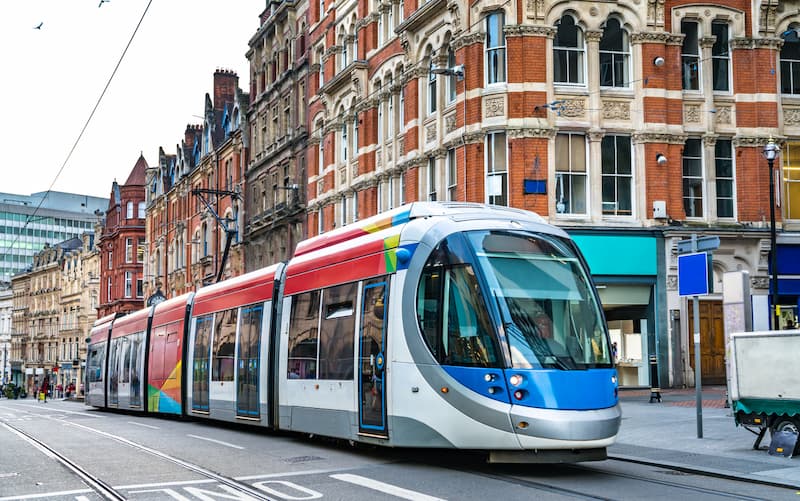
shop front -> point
(624, 266)
(788, 257)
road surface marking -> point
(144, 425)
(220, 442)
(47, 495)
(384, 487)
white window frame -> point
(689, 59)
(128, 284)
(701, 179)
(579, 51)
(565, 177)
(616, 175)
(492, 170)
(724, 57)
(623, 53)
(727, 179)
(432, 177)
(498, 51)
(452, 175)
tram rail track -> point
(104, 489)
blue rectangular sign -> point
(694, 274)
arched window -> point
(568, 52)
(615, 56)
(721, 56)
(495, 48)
(690, 55)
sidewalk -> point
(666, 433)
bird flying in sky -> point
(38, 26)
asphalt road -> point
(149, 458)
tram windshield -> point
(544, 295)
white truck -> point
(764, 383)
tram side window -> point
(303, 336)
(94, 363)
(125, 349)
(337, 332)
(222, 364)
(452, 312)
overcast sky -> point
(52, 77)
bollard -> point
(655, 391)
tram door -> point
(372, 359)
(247, 383)
(200, 363)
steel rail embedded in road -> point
(96, 484)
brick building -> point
(122, 245)
(195, 197)
(631, 124)
(275, 198)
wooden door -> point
(712, 341)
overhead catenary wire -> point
(32, 217)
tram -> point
(434, 325)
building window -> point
(721, 57)
(355, 206)
(320, 221)
(129, 210)
(452, 178)
(451, 80)
(431, 88)
(401, 113)
(790, 61)
(140, 250)
(343, 212)
(321, 68)
(432, 179)
(390, 105)
(343, 144)
(128, 284)
(617, 174)
(355, 44)
(690, 56)
(791, 179)
(570, 157)
(693, 178)
(321, 155)
(568, 52)
(110, 260)
(108, 290)
(343, 60)
(128, 250)
(142, 211)
(380, 203)
(402, 188)
(495, 48)
(139, 287)
(496, 169)
(392, 188)
(723, 165)
(614, 56)
(355, 137)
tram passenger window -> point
(337, 332)
(94, 363)
(224, 345)
(303, 336)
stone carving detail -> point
(655, 13)
(791, 116)
(494, 107)
(672, 282)
(723, 114)
(767, 16)
(573, 108)
(531, 133)
(343, 175)
(759, 283)
(616, 110)
(691, 113)
(354, 170)
(535, 9)
(388, 155)
(378, 157)
(450, 123)
(401, 146)
(655, 137)
(593, 35)
(430, 133)
(320, 186)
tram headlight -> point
(515, 380)
(520, 394)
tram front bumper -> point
(568, 425)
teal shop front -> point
(625, 268)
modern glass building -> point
(27, 222)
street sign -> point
(694, 274)
(703, 244)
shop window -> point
(693, 178)
(568, 52)
(570, 157)
(690, 55)
(617, 174)
(614, 56)
(726, 189)
(721, 57)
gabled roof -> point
(137, 175)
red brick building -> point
(122, 245)
(195, 198)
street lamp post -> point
(771, 151)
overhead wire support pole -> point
(223, 222)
